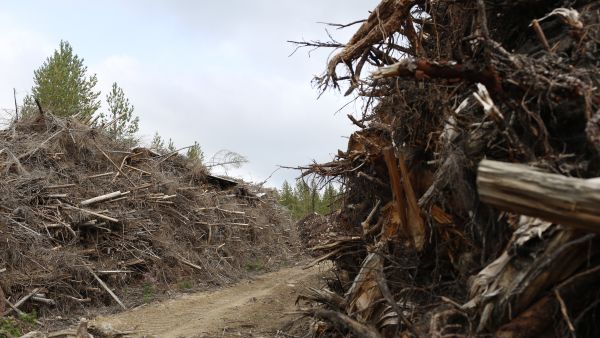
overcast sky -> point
(216, 72)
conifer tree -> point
(328, 200)
(286, 196)
(195, 153)
(171, 146)
(157, 144)
(62, 85)
(122, 123)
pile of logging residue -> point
(86, 222)
(470, 204)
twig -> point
(341, 26)
(188, 263)
(108, 218)
(540, 34)
(356, 122)
(343, 321)
(101, 282)
(115, 165)
(367, 222)
(114, 271)
(564, 312)
(372, 179)
(59, 186)
(16, 106)
(101, 175)
(175, 152)
(138, 169)
(15, 307)
(387, 294)
(20, 169)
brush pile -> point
(470, 204)
(86, 222)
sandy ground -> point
(251, 308)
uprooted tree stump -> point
(420, 249)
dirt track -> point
(251, 308)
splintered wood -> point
(474, 115)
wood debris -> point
(472, 183)
(91, 228)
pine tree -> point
(157, 144)
(123, 125)
(302, 194)
(171, 146)
(315, 197)
(195, 153)
(328, 203)
(62, 86)
(287, 197)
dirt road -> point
(251, 308)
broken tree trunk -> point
(525, 190)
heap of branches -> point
(448, 84)
(86, 222)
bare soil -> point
(252, 308)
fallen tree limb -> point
(105, 287)
(20, 302)
(529, 191)
(421, 69)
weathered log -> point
(530, 191)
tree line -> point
(306, 198)
(63, 87)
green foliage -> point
(11, 328)
(305, 198)
(148, 292)
(121, 122)
(62, 86)
(185, 285)
(8, 328)
(171, 146)
(286, 196)
(195, 153)
(329, 200)
(158, 144)
(255, 266)
(28, 318)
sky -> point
(216, 72)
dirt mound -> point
(432, 239)
(86, 222)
